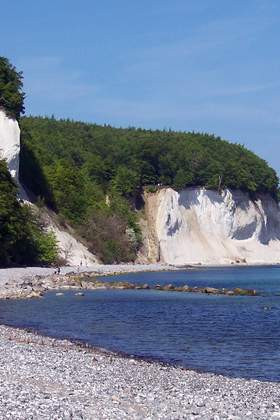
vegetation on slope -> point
(93, 175)
(11, 95)
(22, 238)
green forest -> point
(93, 176)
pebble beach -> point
(43, 378)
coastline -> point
(49, 378)
(33, 282)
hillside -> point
(93, 176)
(23, 239)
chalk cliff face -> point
(202, 226)
(10, 143)
(71, 250)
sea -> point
(237, 336)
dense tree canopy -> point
(11, 95)
(129, 159)
(90, 173)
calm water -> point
(237, 336)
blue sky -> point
(204, 65)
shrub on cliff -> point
(22, 239)
(11, 94)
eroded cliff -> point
(201, 226)
(10, 143)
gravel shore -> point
(32, 281)
(15, 275)
(44, 378)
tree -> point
(126, 181)
(11, 94)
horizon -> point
(202, 66)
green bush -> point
(152, 189)
(22, 238)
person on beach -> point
(79, 266)
(57, 271)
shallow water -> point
(237, 336)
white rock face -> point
(71, 250)
(10, 143)
(200, 226)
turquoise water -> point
(237, 336)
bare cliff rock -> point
(10, 143)
(202, 226)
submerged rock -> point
(35, 294)
(212, 290)
(238, 291)
(168, 287)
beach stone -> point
(45, 378)
(168, 287)
(211, 290)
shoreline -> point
(33, 282)
(37, 336)
(14, 273)
(67, 379)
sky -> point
(193, 65)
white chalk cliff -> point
(73, 251)
(10, 143)
(201, 226)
